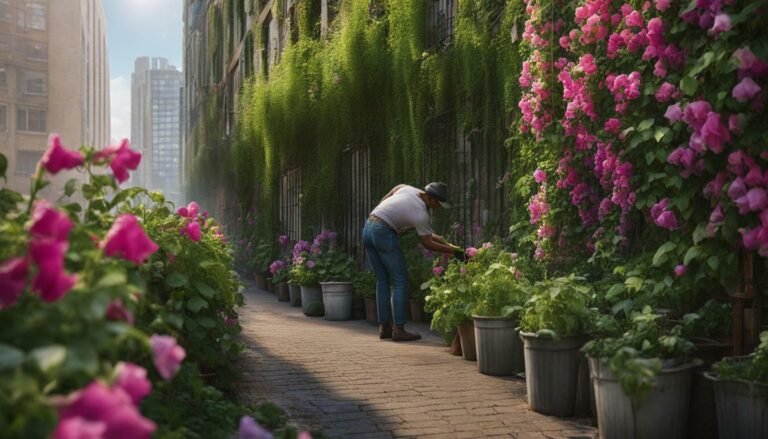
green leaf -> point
(126, 194)
(196, 303)
(204, 289)
(81, 358)
(206, 322)
(689, 85)
(89, 191)
(661, 254)
(634, 283)
(615, 290)
(176, 280)
(48, 357)
(703, 62)
(699, 234)
(10, 357)
(713, 262)
(646, 124)
(173, 319)
(660, 133)
(112, 279)
(70, 187)
(692, 253)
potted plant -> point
(335, 270)
(262, 255)
(305, 275)
(279, 270)
(294, 290)
(499, 290)
(741, 393)
(553, 327)
(418, 261)
(364, 285)
(641, 378)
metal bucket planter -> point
(663, 414)
(551, 373)
(261, 280)
(417, 310)
(370, 311)
(358, 308)
(337, 299)
(294, 295)
(742, 408)
(312, 301)
(282, 292)
(467, 336)
(270, 285)
(499, 349)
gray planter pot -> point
(499, 349)
(663, 414)
(312, 301)
(294, 294)
(337, 299)
(742, 408)
(282, 292)
(260, 279)
(467, 338)
(551, 373)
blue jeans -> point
(382, 246)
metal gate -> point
(356, 196)
(290, 204)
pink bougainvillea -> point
(58, 158)
(127, 239)
(121, 159)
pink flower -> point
(749, 238)
(757, 199)
(133, 380)
(659, 207)
(57, 157)
(116, 311)
(79, 428)
(250, 429)
(680, 270)
(192, 229)
(737, 189)
(193, 209)
(13, 277)
(110, 407)
(665, 92)
(662, 5)
(471, 252)
(487, 245)
(673, 113)
(745, 90)
(283, 241)
(695, 114)
(667, 220)
(121, 159)
(718, 215)
(310, 264)
(182, 211)
(749, 64)
(51, 282)
(722, 24)
(540, 176)
(166, 355)
(714, 133)
(47, 222)
(612, 125)
(437, 271)
(634, 19)
(715, 187)
(127, 239)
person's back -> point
(405, 210)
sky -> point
(138, 28)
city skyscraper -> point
(54, 77)
(156, 92)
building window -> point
(31, 120)
(26, 161)
(3, 117)
(6, 13)
(33, 50)
(35, 16)
(33, 83)
(3, 76)
(6, 42)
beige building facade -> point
(54, 78)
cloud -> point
(120, 107)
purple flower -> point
(737, 189)
(718, 215)
(133, 380)
(166, 355)
(722, 24)
(250, 429)
(745, 90)
(659, 207)
(665, 92)
(13, 277)
(283, 241)
(57, 157)
(127, 240)
(680, 270)
(757, 199)
(310, 264)
(695, 114)
(714, 133)
(667, 220)
(673, 113)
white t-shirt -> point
(405, 210)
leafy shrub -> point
(364, 284)
(559, 308)
(753, 368)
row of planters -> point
(118, 315)
(324, 281)
(638, 369)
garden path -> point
(340, 378)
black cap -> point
(439, 191)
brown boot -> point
(385, 330)
(400, 334)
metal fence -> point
(441, 18)
(290, 204)
(356, 199)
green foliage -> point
(450, 298)
(559, 308)
(334, 266)
(753, 368)
(302, 275)
(364, 284)
(263, 255)
(712, 319)
(502, 289)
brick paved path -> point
(340, 378)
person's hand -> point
(460, 255)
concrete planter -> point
(312, 301)
(551, 373)
(467, 336)
(742, 408)
(282, 292)
(260, 279)
(294, 295)
(499, 349)
(663, 414)
(337, 299)
(370, 311)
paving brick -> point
(340, 378)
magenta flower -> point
(47, 222)
(51, 282)
(57, 157)
(718, 215)
(126, 239)
(665, 92)
(673, 113)
(680, 270)
(192, 229)
(540, 176)
(722, 24)
(757, 199)
(116, 311)
(438, 271)
(79, 428)
(193, 209)
(667, 220)
(13, 277)
(250, 429)
(745, 90)
(659, 207)
(283, 241)
(737, 189)
(715, 133)
(310, 264)
(471, 252)
(166, 355)
(662, 5)
(182, 211)
(749, 238)
(612, 125)
(121, 159)
(749, 64)
(695, 114)
(111, 407)
(133, 380)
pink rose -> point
(127, 239)
(680, 270)
(133, 380)
(757, 199)
(737, 189)
(662, 5)
(57, 157)
(612, 125)
(695, 114)
(718, 215)
(193, 209)
(121, 159)
(714, 133)
(13, 277)
(749, 238)
(659, 207)
(745, 90)
(182, 211)
(192, 229)
(166, 355)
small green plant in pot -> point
(741, 392)
(364, 285)
(554, 324)
(335, 270)
(642, 374)
(279, 270)
(262, 255)
(304, 273)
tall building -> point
(156, 89)
(54, 77)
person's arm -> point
(392, 192)
(430, 243)
(439, 239)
